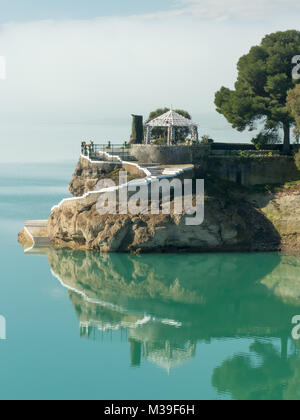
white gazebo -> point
(171, 120)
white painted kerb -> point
(167, 173)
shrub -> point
(265, 138)
(207, 140)
(160, 141)
(245, 154)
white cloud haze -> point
(71, 80)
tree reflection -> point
(167, 305)
(245, 380)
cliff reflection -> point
(166, 305)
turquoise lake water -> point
(88, 326)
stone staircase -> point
(154, 168)
(38, 232)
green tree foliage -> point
(159, 133)
(264, 79)
(293, 104)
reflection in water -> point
(166, 305)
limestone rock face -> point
(227, 227)
(283, 211)
(235, 220)
(24, 239)
(87, 175)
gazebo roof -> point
(166, 361)
(171, 119)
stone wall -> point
(169, 155)
(253, 170)
(133, 170)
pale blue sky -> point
(22, 10)
(78, 69)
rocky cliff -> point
(227, 227)
(87, 175)
(236, 219)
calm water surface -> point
(88, 326)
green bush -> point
(245, 154)
(160, 141)
(206, 140)
(266, 138)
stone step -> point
(36, 223)
(149, 165)
(155, 172)
(38, 230)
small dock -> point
(37, 230)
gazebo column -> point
(171, 135)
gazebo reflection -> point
(165, 311)
(154, 340)
(166, 355)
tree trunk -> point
(287, 138)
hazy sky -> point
(24, 10)
(78, 69)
